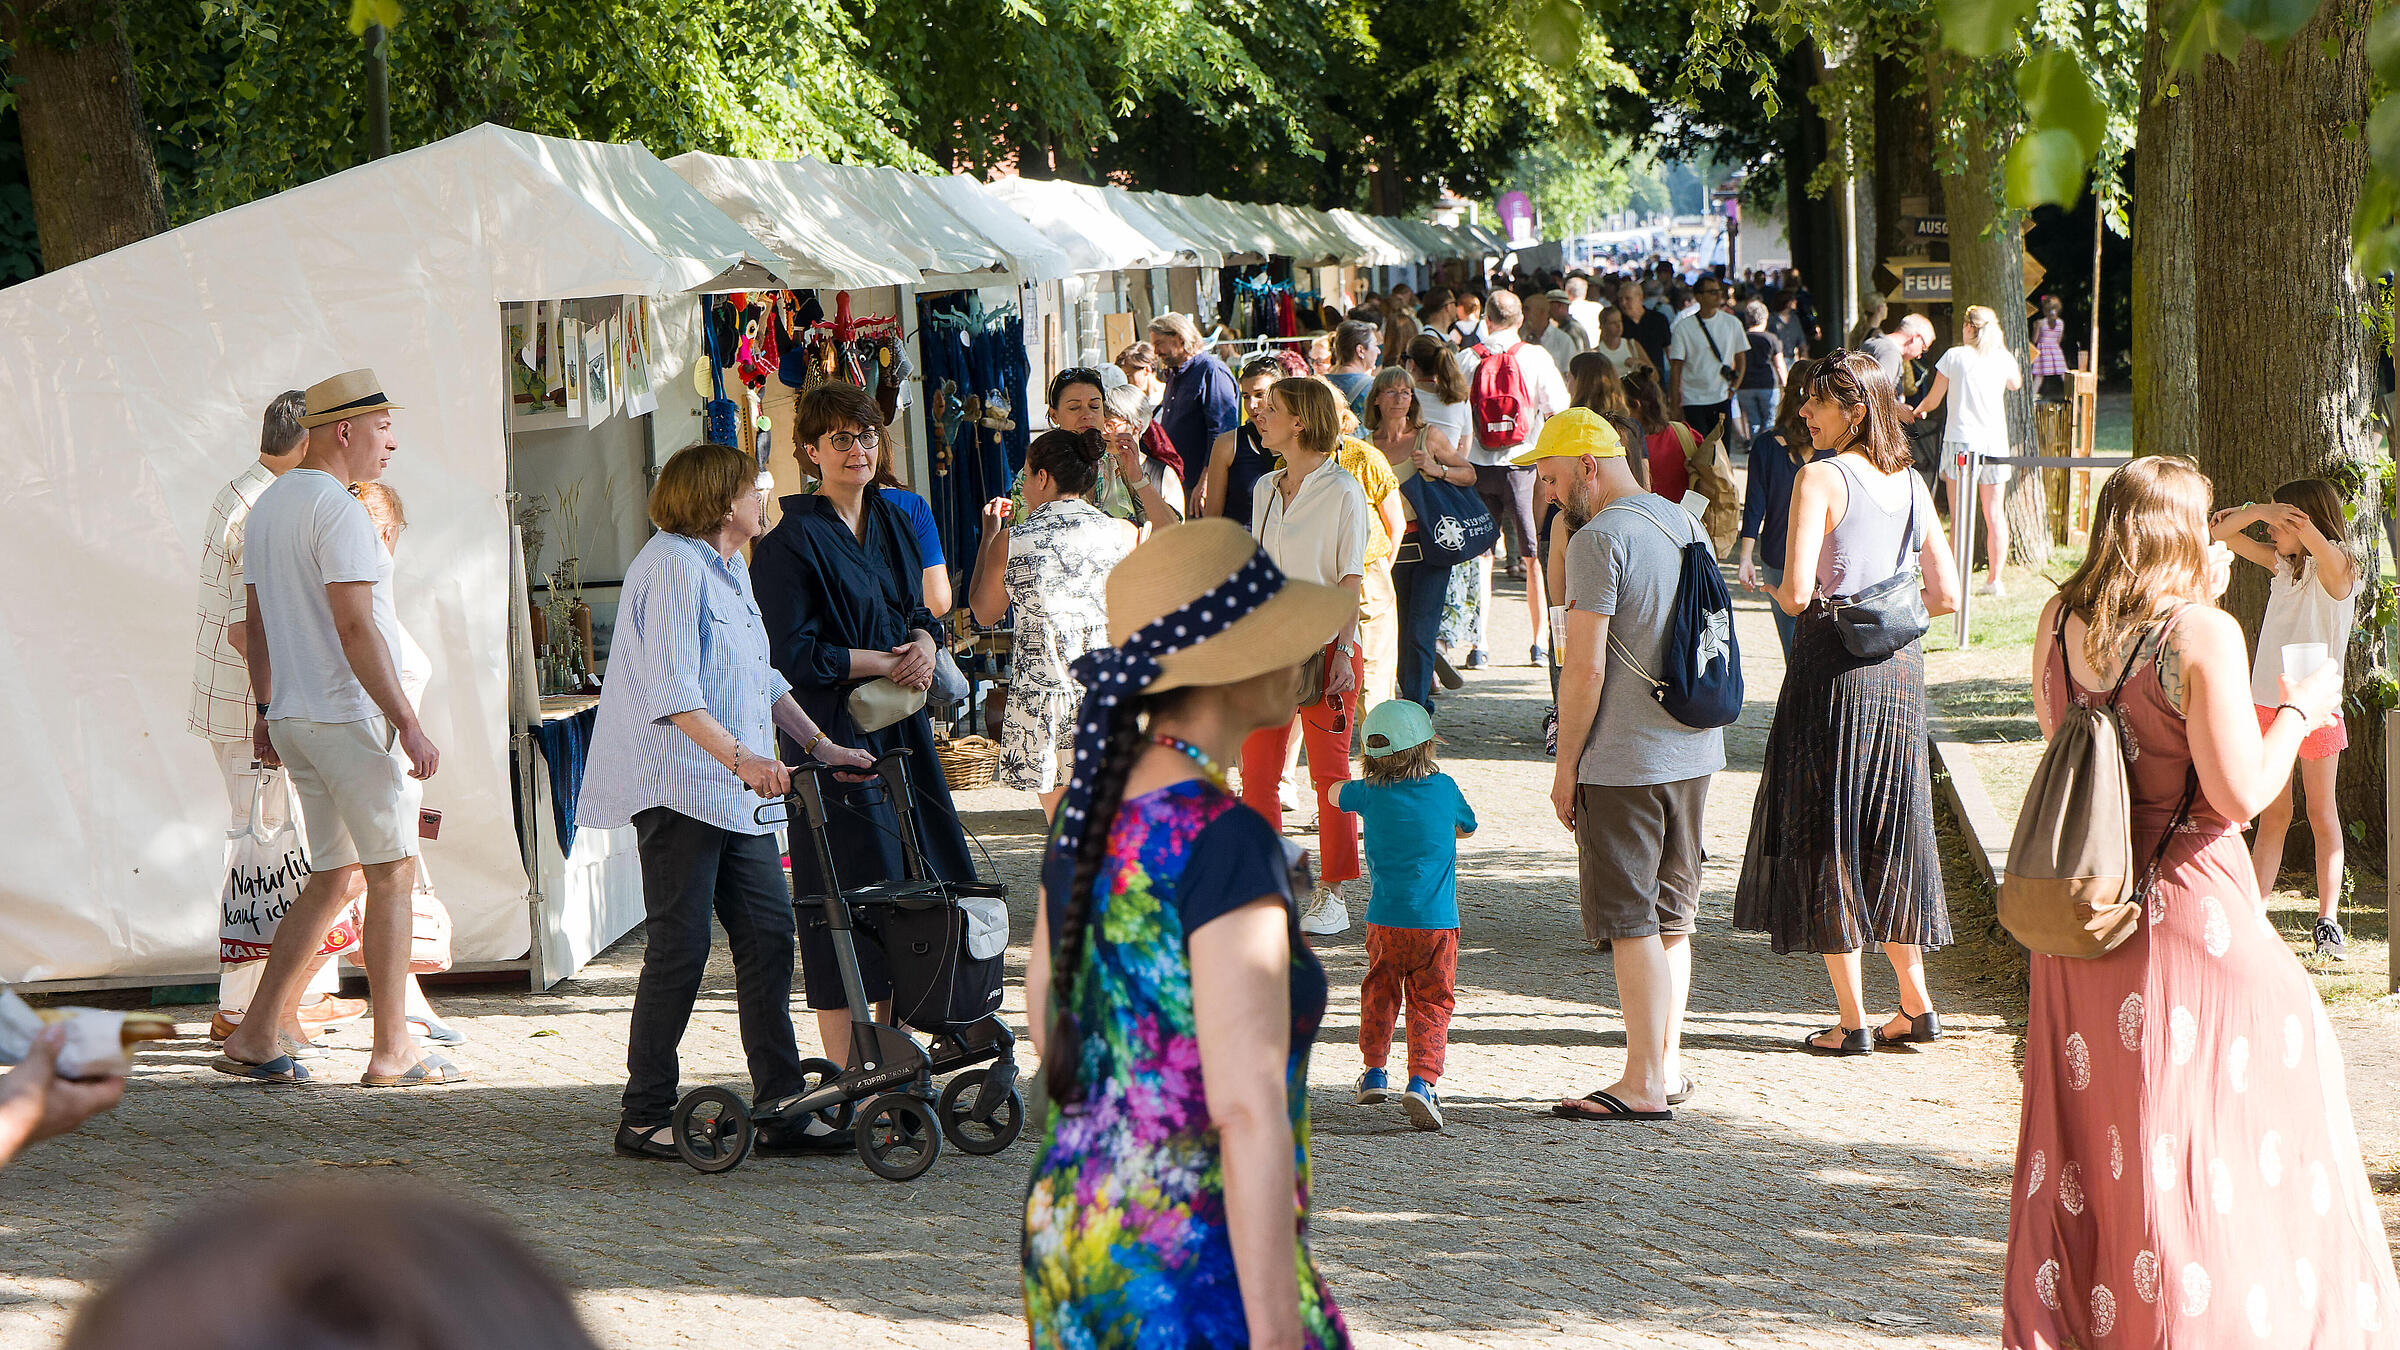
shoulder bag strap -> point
(1709, 338)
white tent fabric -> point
(1187, 250)
(1243, 223)
(1199, 220)
(824, 239)
(949, 252)
(1376, 246)
(1081, 220)
(1326, 245)
(1035, 258)
(120, 435)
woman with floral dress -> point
(1049, 569)
(2187, 1175)
(1171, 994)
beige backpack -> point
(1708, 470)
(2071, 886)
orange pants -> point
(1325, 728)
(1418, 966)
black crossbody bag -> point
(1890, 614)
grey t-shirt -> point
(1626, 564)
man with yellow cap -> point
(1632, 781)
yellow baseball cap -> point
(1578, 432)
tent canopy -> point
(1033, 257)
(1184, 248)
(1376, 246)
(1100, 233)
(824, 239)
(1199, 220)
(948, 250)
(116, 812)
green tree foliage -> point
(253, 96)
(1571, 191)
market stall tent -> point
(824, 239)
(1095, 236)
(1198, 219)
(120, 436)
(1035, 257)
(949, 252)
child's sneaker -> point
(1326, 915)
(2328, 936)
(1374, 1088)
(1423, 1104)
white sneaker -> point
(1326, 914)
(1289, 795)
(1993, 588)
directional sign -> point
(1929, 227)
(1921, 282)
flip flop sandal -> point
(1690, 1085)
(1855, 1041)
(431, 1071)
(1616, 1111)
(281, 1069)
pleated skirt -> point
(1842, 850)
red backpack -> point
(1499, 399)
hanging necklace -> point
(1209, 768)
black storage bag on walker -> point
(936, 985)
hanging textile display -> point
(975, 397)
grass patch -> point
(1982, 953)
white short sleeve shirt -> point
(1703, 378)
(1321, 535)
(306, 533)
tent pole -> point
(379, 92)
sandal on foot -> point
(1855, 1041)
(1684, 1094)
(281, 1069)
(431, 1071)
(1923, 1029)
(1612, 1109)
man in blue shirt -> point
(1201, 403)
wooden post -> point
(2084, 387)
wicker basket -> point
(968, 761)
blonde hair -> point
(1402, 766)
(1313, 403)
(1989, 340)
(2149, 544)
(383, 506)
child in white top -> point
(2313, 598)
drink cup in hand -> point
(2220, 569)
(2318, 694)
(2301, 659)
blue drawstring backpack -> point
(1700, 684)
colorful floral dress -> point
(2187, 1175)
(1125, 1229)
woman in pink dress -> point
(2186, 1171)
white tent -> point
(1377, 246)
(950, 252)
(1036, 258)
(120, 436)
(1199, 220)
(825, 239)
(1082, 221)
(1181, 246)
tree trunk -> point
(88, 158)
(1904, 136)
(2166, 369)
(2286, 365)
(1987, 267)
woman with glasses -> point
(841, 590)
(1237, 460)
(938, 593)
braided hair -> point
(1064, 1058)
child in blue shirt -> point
(1413, 816)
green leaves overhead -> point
(1554, 33)
(1980, 28)
(2270, 21)
(2044, 167)
(2058, 96)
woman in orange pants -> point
(1311, 518)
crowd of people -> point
(1215, 567)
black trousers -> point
(1420, 589)
(690, 870)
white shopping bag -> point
(264, 871)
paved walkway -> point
(1794, 1202)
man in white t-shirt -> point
(222, 713)
(1506, 488)
(1705, 356)
(324, 647)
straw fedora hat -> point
(345, 395)
(1182, 563)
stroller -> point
(938, 988)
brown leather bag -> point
(2071, 888)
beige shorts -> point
(357, 802)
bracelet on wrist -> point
(2279, 708)
(810, 749)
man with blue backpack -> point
(1651, 676)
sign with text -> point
(1921, 283)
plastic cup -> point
(2301, 659)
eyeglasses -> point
(847, 441)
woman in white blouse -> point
(1310, 517)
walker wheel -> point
(712, 1129)
(898, 1138)
(980, 1137)
(816, 1073)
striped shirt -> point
(222, 708)
(687, 638)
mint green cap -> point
(1394, 725)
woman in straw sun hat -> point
(1171, 994)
